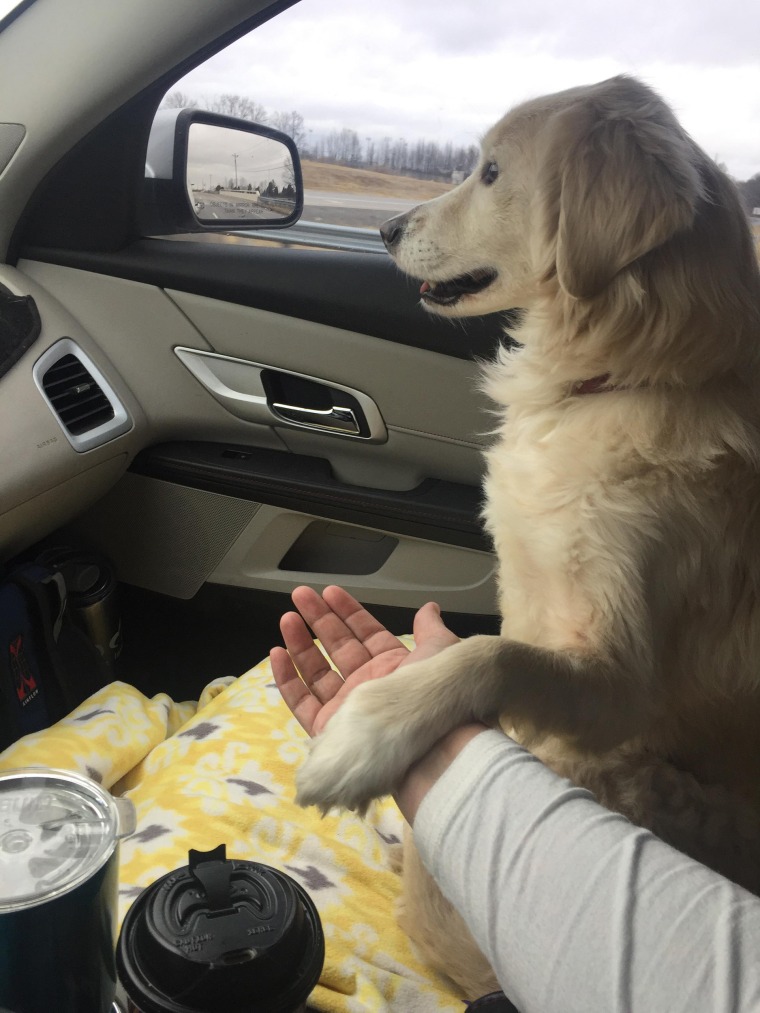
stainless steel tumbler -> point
(59, 836)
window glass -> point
(387, 102)
(10, 9)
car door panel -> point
(354, 291)
(257, 393)
(416, 570)
(431, 434)
(173, 538)
(416, 494)
(417, 390)
(137, 327)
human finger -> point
(364, 626)
(303, 705)
(349, 634)
(314, 669)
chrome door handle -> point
(335, 419)
(270, 396)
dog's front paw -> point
(361, 755)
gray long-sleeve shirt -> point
(578, 910)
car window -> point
(387, 103)
(10, 9)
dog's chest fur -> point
(608, 542)
(563, 506)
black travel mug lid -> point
(221, 935)
(88, 575)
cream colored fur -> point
(626, 521)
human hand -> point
(360, 647)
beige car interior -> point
(179, 366)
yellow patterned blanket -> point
(222, 771)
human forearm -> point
(575, 908)
(426, 772)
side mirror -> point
(207, 172)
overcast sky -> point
(445, 71)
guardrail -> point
(332, 237)
(320, 234)
(280, 204)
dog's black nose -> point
(392, 230)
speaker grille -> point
(161, 536)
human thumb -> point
(428, 625)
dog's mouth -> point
(447, 293)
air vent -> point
(81, 398)
(75, 396)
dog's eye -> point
(490, 173)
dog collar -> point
(593, 386)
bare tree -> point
(420, 157)
(178, 100)
(332, 146)
(292, 124)
(241, 106)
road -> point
(357, 209)
(364, 211)
(325, 198)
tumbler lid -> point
(56, 830)
(221, 935)
(87, 575)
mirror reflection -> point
(233, 175)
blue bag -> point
(47, 666)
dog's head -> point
(573, 186)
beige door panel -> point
(403, 572)
(172, 539)
(416, 390)
(432, 433)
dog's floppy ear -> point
(627, 181)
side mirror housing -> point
(210, 173)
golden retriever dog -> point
(622, 489)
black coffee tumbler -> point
(221, 936)
(93, 599)
(59, 835)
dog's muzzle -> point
(447, 293)
(436, 293)
(392, 230)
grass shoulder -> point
(344, 179)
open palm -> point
(360, 647)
